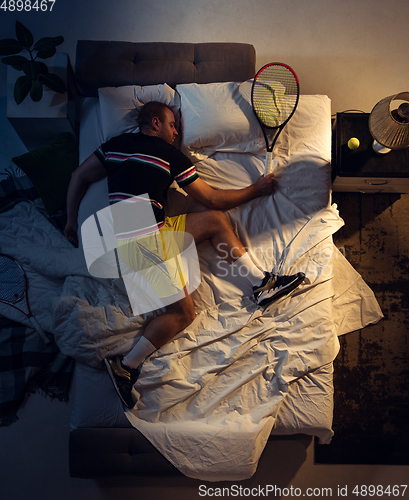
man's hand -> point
(264, 185)
(70, 232)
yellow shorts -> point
(157, 256)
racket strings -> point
(275, 93)
(12, 284)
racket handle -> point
(39, 330)
(268, 163)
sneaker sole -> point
(111, 376)
(284, 290)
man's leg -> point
(163, 328)
(215, 226)
(124, 372)
(208, 225)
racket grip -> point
(39, 330)
(268, 163)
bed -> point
(209, 401)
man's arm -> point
(223, 199)
(90, 170)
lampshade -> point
(390, 128)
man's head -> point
(157, 119)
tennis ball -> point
(353, 143)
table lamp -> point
(390, 127)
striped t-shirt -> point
(137, 164)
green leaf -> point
(44, 44)
(36, 92)
(43, 69)
(54, 82)
(48, 43)
(45, 54)
(21, 89)
(16, 62)
(32, 69)
(24, 35)
(9, 46)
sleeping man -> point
(147, 162)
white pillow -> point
(120, 106)
(219, 117)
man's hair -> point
(149, 111)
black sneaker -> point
(123, 379)
(274, 286)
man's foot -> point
(274, 286)
(123, 379)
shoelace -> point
(120, 369)
(267, 285)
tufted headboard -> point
(114, 64)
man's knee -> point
(207, 224)
(219, 220)
(188, 310)
(218, 215)
(185, 309)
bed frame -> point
(101, 452)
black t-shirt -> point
(137, 164)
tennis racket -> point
(13, 290)
(274, 96)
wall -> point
(354, 50)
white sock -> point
(248, 269)
(139, 353)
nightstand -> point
(363, 170)
(37, 123)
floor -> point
(372, 368)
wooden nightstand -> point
(37, 123)
(363, 170)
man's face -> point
(166, 129)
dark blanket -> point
(26, 363)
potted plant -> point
(36, 72)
